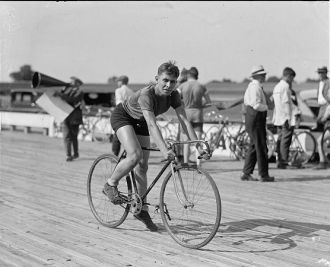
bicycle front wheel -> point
(104, 210)
(325, 141)
(190, 206)
(302, 148)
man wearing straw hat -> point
(255, 122)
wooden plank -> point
(46, 220)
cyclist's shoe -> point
(144, 217)
(113, 194)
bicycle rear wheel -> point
(190, 206)
(302, 148)
(104, 210)
(101, 130)
(325, 141)
(244, 141)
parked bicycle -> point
(97, 127)
(325, 143)
(237, 140)
(302, 148)
(168, 127)
(189, 202)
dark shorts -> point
(198, 126)
(120, 118)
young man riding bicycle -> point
(134, 120)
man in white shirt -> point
(122, 93)
(323, 99)
(255, 122)
(284, 116)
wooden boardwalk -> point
(45, 218)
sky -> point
(223, 39)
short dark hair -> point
(169, 68)
(289, 72)
(193, 72)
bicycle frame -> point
(156, 179)
(224, 132)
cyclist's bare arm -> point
(155, 132)
(208, 101)
(186, 126)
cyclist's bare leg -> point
(131, 144)
(142, 168)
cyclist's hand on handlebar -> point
(170, 155)
(203, 154)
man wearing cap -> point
(73, 95)
(121, 94)
(255, 122)
(323, 99)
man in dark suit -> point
(73, 95)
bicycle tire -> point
(196, 225)
(245, 140)
(242, 145)
(207, 135)
(103, 209)
(325, 144)
(301, 153)
(101, 130)
(271, 144)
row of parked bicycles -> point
(233, 136)
(96, 125)
(224, 135)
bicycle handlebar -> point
(173, 143)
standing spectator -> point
(323, 99)
(285, 116)
(255, 123)
(73, 95)
(195, 97)
(121, 94)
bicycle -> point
(101, 129)
(189, 202)
(302, 148)
(168, 129)
(96, 127)
(325, 143)
(238, 142)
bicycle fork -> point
(179, 187)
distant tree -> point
(246, 80)
(24, 74)
(224, 80)
(112, 79)
(310, 80)
(214, 81)
(273, 79)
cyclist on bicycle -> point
(133, 120)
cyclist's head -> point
(169, 68)
(168, 74)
